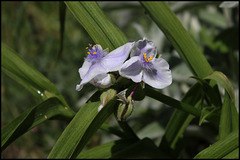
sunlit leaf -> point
(97, 24)
(16, 68)
(222, 80)
(80, 129)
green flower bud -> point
(106, 97)
(125, 109)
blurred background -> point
(32, 30)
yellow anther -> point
(86, 47)
(90, 45)
(145, 57)
(150, 58)
(88, 52)
(94, 52)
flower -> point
(98, 63)
(144, 66)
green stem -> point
(178, 104)
(128, 130)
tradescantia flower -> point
(144, 66)
(99, 62)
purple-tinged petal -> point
(93, 71)
(84, 69)
(132, 69)
(159, 76)
(145, 46)
(114, 60)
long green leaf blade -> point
(232, 155)
(52, 108)
(167, 21)
(221, 148)
(223, 80)
(15, 67)
(95, 125)
(104, 151)
(179, 120)
(81, 128)
(178, 104)
(96, 23)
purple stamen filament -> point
(134, 89)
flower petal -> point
(102, 80)
(114, 60)
(132, 69)
(93, 71)
(85, 67)
(159, 76)
(145, 46)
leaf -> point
(52, 108)
(178, 104)
(62, 15)
(167, 21)
(207, 111)
(144, 148)
(222, 80)
(80, 129)
(221, 148)
(96, 23)
(229, 118)
(232, 155)
(105, 151)
(212, 97)
(16, 68)
(180, 120)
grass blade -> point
(229, 118)
(232, 155)
(221, 148)
(62, 15)
(178, 104)
(16, 68)
(179, 121)
(223, 80)
(104, 151)
(81, 128)
(52, 108)
(96, 23)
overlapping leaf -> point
(52, 108)
(96, 23)
(15, 67)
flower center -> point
(147, 59)
(94, 53)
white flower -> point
(98, 63)
(144, 66)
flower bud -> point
(125, 109)
(106, 97)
